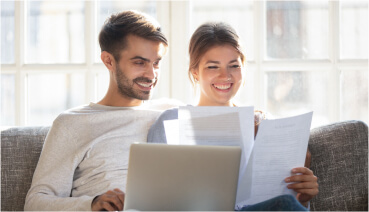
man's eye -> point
(139, 63)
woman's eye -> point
(212, 67)
(235, 66)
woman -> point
(217, 67)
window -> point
(301, 55)
(55, 32)
(52, 64)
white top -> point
(85, 154)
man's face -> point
(137, 71)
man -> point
(83, 164)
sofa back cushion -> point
(20, 151)
(339, 159)
(339, 155)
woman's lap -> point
(279, 203)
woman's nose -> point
(224, 73)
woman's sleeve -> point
(157, 132)
(259, 116)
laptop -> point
(165, 177)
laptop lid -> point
(182, 177)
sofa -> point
(339, 154)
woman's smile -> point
(223, 87)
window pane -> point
(245, 95)
(55, 32)
(102, 85)
(239, 14)
(354, 29)
(293, 93)
(51, 94)
(7, 100)
(106, 8)
(354, 99)
(7, 32)
(297, 29)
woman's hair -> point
(112, 37)
(209, 35)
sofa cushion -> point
(20, 151)
(340, 161)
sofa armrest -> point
(340, 161)
(20, 151)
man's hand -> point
(305, 184)
(110, 201)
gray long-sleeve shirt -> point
(85, 154)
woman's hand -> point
(109, 201)
(305, 183)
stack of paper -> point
(279, 146)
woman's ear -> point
(108, 60)
(195, 75)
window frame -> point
(174, 17)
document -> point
(215, 125)
(171, 129)
(280, 146)
(221, 126)
(220, 130)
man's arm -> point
(53, 178)
(112, 200)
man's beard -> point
(125, 86)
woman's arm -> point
(157, 132)
(259, 116)
(308, 159)
(305, 183)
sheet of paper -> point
(226, 123)
(171, 129)
(219, 130)
(280, 145)
(220, 126)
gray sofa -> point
(339, 159)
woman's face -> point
(219, 75)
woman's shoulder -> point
(169, 114)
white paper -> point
(171, 129)
(220, 126)
(219, 130)
(279, 147)
(212, 115)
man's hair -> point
(207, 36)
(117, 27)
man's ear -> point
(108, 60)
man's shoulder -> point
(76, 111)
(72, 114)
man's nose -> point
(151, 72)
